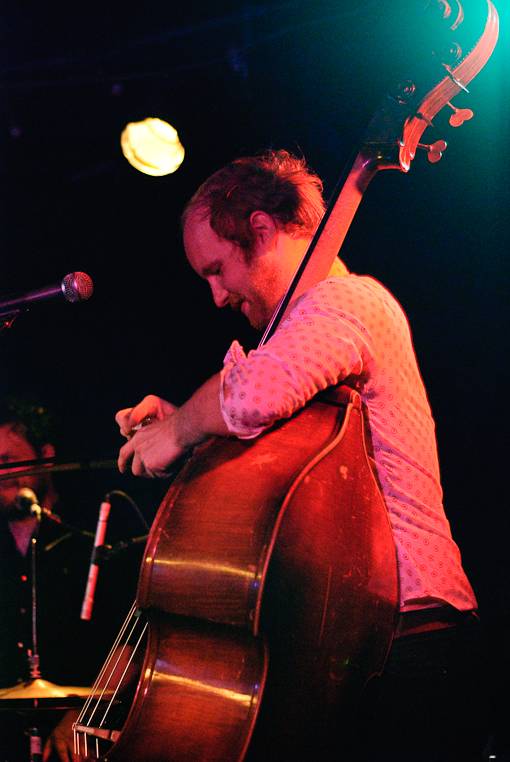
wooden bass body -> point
(270, 587)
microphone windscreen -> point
(77, 287)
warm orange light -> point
(152, 146)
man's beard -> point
(12, 512)
(9, 507)
(235, 301)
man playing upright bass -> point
(245, 232)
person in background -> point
(70, 650)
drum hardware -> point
(36, 693)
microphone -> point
(27, 502)
(88, 601)
(75, 287)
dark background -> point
(235, 78)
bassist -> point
(245, 231)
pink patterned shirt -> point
(352, 325)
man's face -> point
(13, 448)
(254, 287)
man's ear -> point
(47, 451)
(265, 229)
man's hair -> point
(29, 419)
(275, 182)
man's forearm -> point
(200, 417)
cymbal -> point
(38, 689)
(42, 694)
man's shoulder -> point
(349, 285)
(353, 297)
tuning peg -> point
(460, 115)
(435, 151)
(441, 10)
(450, 54)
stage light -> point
(152, 146)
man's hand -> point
(150, 408)
(151, 449)
(60, 743)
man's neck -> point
(22, 530)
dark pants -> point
(431, 704)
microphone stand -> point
(35, 673)
(35, 739)
(36, 690)
(52, 465)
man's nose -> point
(220, 295)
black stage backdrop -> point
(235, 78)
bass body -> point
(270, 588)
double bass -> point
(268, 590)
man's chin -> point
(11, 512)
(255, 319)
(14, 514)
(259, 325)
